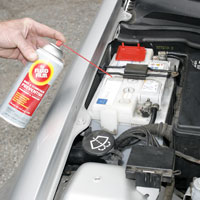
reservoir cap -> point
(98, 143)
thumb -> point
(26, 49)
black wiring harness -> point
(146, 135)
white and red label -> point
(33, 88)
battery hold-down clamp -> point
(139, 71)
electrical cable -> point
(168, 194)
(159, 75)
(177, 54)
(160, 70)
(155, 141)
(147, 133)
(187, 157)
(177, 172)
(116, 67)
(154, 111)
(116, 73)
(136, 134)
(138, 75)
(176, 57)
(149, 68)
(178, 193)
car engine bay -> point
(134, 133)
(144, 120)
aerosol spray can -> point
(31, 86)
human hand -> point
(20, 38)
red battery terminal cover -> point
(131, 53)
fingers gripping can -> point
(32, 85)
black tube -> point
(176, 57)
(177, 54)
(187, 157)
(136, 75)
(159, 70)
(115, 67)
(169, 191)
(154, 111)
(144, 133)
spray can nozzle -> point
(58, 43)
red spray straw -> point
(59, 43)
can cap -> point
(54, 50)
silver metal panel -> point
(101, 181)
(38, 177)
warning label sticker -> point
(32, 89)
(108, 93)
(150, 86)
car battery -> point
(118, 100)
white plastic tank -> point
(196, 189)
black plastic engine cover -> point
(187, 130)
(190, 108)
(162, 12)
